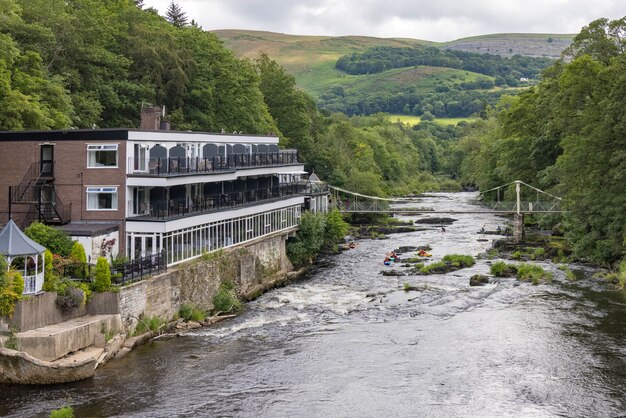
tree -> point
(427, 116)
(602, 39)
(175, 15)
(50, 237)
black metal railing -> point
(138, 268)
(202, 165)
(120, 274)
(162, 209)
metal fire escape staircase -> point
(35, 198)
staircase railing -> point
(31, 176)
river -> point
(346, 341)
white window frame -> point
(97, 190)
(102, 147)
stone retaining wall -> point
(249, 266)
(197, 281)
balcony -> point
(177, 208)
(176, 166)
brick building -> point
(140, 192)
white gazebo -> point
(15, 244)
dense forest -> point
(507, 71)
(443, 103)
(567, 135)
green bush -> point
(533, 273)
(621, 273)
(457, 260)
(317, 232)
(118, 260)
(78, 255)
(65, 412)
(52, 238)
(502, 269)
(226, 300)
(432, 267)
(190, 312)
(10, 292)
(335, 229)
(102, 282)
(48, 272)
(308, 241)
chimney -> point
(165, 126)
(151, 118)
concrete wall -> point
(39, 311)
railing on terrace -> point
(162, 209)
(139, 267)
(120, 274)
(202, 165)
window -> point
(101, 198)
(102, 155)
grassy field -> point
(422, 79)
(414, 120)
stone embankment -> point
(48, 351)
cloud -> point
(438, 20)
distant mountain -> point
(457, 90)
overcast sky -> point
(433, 20)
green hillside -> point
(302, 54)
(410, 89)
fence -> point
(120, 273)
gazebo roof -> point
(14, 243)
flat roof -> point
(89, 229)
(123, 134)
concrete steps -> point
(55, 341)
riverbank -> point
(46, 351)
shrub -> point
(10, 292)
(118, 260)
(502, 269)
(432, 267)
(65, 412)
(226, 299)
(309, 239)
(78, 256)
(335, 229)
(71, 298)
(533, 273)
(52, 238)
(190, 312)
(152, 323)
(538, 253)
(459, 260)
(48, 273)
(102, 282)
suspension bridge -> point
(489, 201)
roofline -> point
(102, 134)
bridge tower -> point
(518, 216)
